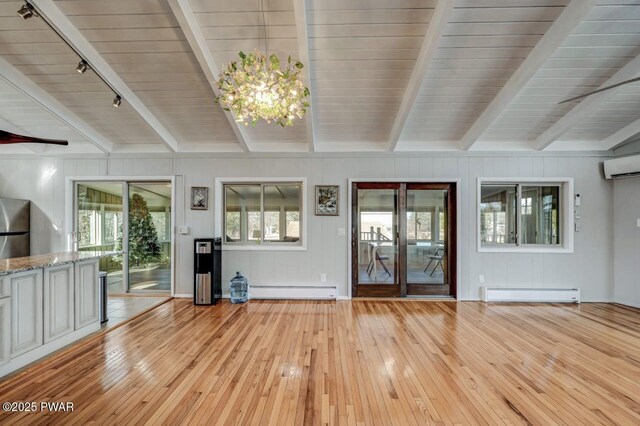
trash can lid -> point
(102, 274)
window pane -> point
(243, 217)
(498, 214)
(233, 225)
(540, 215)
(293, 225)
(159, 220)
(281, 212)
(272, 226)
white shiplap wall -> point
(590, 267)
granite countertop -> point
(20, 264)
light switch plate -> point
(341, 232)
(184, 230)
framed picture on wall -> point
(327, 200)
(199, 198)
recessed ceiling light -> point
(83, 66)
(27, 11)
(117, 101)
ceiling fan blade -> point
(7, 138)
(601, 90)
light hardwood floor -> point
(361, 362)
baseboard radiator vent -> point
(509, 294)
(310, 292)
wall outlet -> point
(323, 278)
(481, 278)
(341, 232)
(578, 227)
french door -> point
(403, 239)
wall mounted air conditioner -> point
(624, 167)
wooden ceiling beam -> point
(622, 135)
(27, 87)
(300, 9)
(64, 26)
(587, 106)
(187, 20)
(564, 25)
(429, 47)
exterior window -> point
(262, 213)
(535, 223)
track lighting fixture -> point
(27, 11)
(83, 66)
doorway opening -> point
(403, 239)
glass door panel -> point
(427, 240)
(376, 240)
(149, 237)
(99, 226)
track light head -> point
(83, 66)
(117, 101)
(27, 11)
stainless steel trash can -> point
(102, 278)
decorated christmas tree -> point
(143, 238)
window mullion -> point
(519, 215)
(262, 223)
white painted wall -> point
(590, 267)
(626, 198)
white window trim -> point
(219, 214)
(566, 216)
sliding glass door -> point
(403, 239)
(132, 217)
(428, 239)
(99, 217)
(375, 251)
(149, 236)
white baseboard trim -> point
(534, 295)
(183, 296)
(48, 348)
(344, 298)
(631, 304)
(309, 292)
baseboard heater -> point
(509, 294)
(325, 292)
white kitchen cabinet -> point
(58, 301)
(26, 311)
(5, 330)
(87, 290)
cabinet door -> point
(86, 293)
(58, 302)
(26, 311)
(5, 330)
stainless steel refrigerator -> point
(15, 216)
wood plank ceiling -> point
(362, 56)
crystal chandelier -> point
(255, 87)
